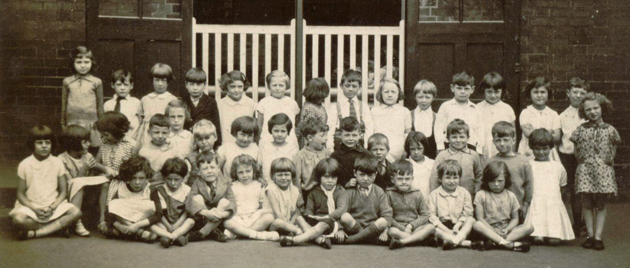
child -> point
(211, 200)
(314, 133)
(392, 119)
(348, 151)
(450, 208)
(493, 109)
(497, 211)
(170, 205)
(159, 149)
(285, 199)
(595, 149)
(205, 136)
(236, 104)
(116, 149)
(521, 175)
(156, 101)
(547, 212)
(41, 207)
(324, 207)
(411, 213)
(316, 92)
(253, 214)
(123, 102)
(538, 115)
(78, 162)
(378, 145)
(423, 117)
(131, 209)
(461, 107)
(278, 84)
(180, 139)
(82, 94)
(369, 212)
(201, 105)
(280, 127)
(245, 131)
(415, 145)
(346, 106)
(569, 121)
(470, 162)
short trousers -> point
(594, 200)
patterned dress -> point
(112, 156)
(594, 150)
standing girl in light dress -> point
(278, 84)
(392, 119)
(493, 109)
(539, 115)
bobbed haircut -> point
(579, 83)
(312, 126)
(115, 123)
(317, 90)
(366, 163)
(133, 165)
(282, 164)
(161, 70)
(541, 137)
(463, 79)
(426, 87)
(196, 75)
(244, 160)
(325, 167)
(40, 132)
(378, 139)
(536, 83)
(73, 136)
(159, 120)
(379, 93)
(418, 138)
(503, 129)
(245, 124)
(449, 167)
(457, 126)
(604, 103)
(178, 104)
(228, 78)
(492, 171)
(351, 75)
(280, 119)
(278, 74)
(492, 80)
(349, 124)
(80, 52)
(174, 165)
(121, 75)
(402, 167)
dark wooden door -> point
(444, 37)
(135, 35)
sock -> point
(465, 243)
(370, 231)
(48, 229)
(504, 242)
(309, 235)
(269, 236)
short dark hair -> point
(196, 75)
(316, 90)
(351, 75)
(82, 51)
(40, 132)
(402, 167)
(73, 136)
(206, 158)
(579, 83)
(161, 70)
(492, 171)
(463, 79)
(366, 163)
(492, 80)
(536, 83)
(416, 137)
(232, 76)
(541, 137)
(326, 166)
(280, 119)
(282, 164)
(457, 126)
(349, 124)
(312, 126)
(174, 165)
(604, 103)
(115, 123)
(121, 75)
(133, 165)
(245, 124)
(159, 120)
(449, 167)
(503, 129)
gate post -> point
(299, 50)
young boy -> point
(378, 145)
(210, 201)
(423, 117)
(201, 105)
(280, 127)
(504, 134)
(369, 213)
(569, 121)
(179, 138)
(159, 150)
(348, 151)
(314, 132)
(460, 107)
(471, 163)
(411, 213)
(451, 209)
(123, 102)
(348, 105)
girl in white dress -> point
(415, 146)
(276, 102)
(392, 119)
(539, 115)
(547, 213)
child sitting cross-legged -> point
(411, 213)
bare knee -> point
(381, 223)
(22, 221)
(277, 223)
(267, 218)
(346, 220)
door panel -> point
(120, 55)
(482, 59)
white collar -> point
(159, 96)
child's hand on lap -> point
(383, 237)
(408, 228)
(341, 236)
(457, 226)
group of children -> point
(272, 177)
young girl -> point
(156, 101)
(205, 135)
(252, 217)
(131, 209)
(180, 138)
(423, 117)
(82, 94)
(78, 162)
(392, 119)
(316, 92)
(280, 127)
(324, 206)
(115, 150)
(415, 145)
(547, 212)
(278, 84)
(235, 104)
(539, 115)
(497, 210)
(170, 205)
(493, 109)
(595, 148)
(41, 207)
(245, 131)
(285, 199)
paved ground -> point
(97, 251)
